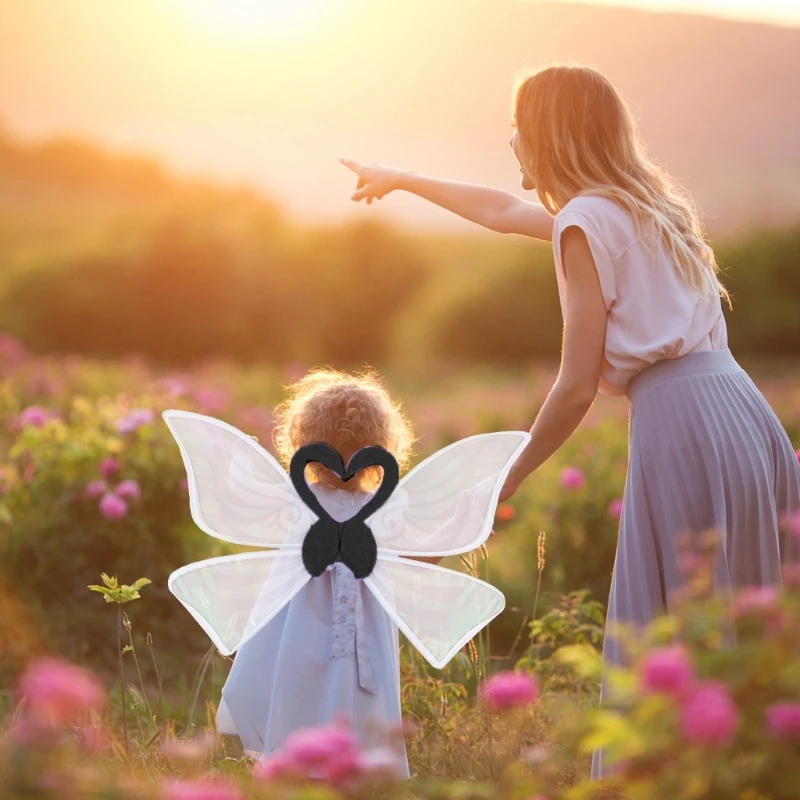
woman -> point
(642, 311)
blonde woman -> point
(642, 310)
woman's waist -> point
(706, 362)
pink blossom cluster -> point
(56, 694)
(35, 416)
(507, 690)
(114, 500)
(330, 753)
(707, 713)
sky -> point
(270, 92)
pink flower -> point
(108, 467)
(508, 690)
(615, 508)
(277, 767)
(95, 489)
(313, 748)
(128, 488)
(708, 715)
(760, 602)
(35, 416)
(175, 386)
(783, 720)
(797, 453)
(572, 478)
(12, 352)
(134, 420)
(59, 693)
(211, 401)
(791, 573)
(113, 507)
(690, 562)
(184, 484)
(199, 790)
(668, 670)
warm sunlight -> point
(256, 18)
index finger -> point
(351, 165)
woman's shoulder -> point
(609, 220)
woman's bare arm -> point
(492, 208)
(582, 356)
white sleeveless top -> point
(652, 314)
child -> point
(332, 651)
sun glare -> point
(256, 18)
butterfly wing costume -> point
(239, 493)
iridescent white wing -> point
(233, 597)
(237, 491)
(446, 504)
(439, 610)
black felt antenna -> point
(351, 541)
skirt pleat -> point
(706, 452)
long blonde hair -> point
(347, 412)
(577, 136)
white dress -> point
(332, 652)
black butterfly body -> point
(351, 541)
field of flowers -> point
(117, 698)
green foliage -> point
(114, 593)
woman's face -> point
(527, 181)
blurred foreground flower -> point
(35, 416)
(507, 690)
(58, 693)
(708, 715)
(668, 670)
(783, 721)
(615, 508)
(108, 467)
(128, 489)
(200, 790)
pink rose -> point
(108, 467)
(129, 489)
(199, 790)
(277, 767)
(783, 720)
(708, 715)
(507, 690)
(797, 453)
(666, 669)
(113, 507)
(95, 489)
(312, 748)
(572, 479)
(59, 693)
(615, 508)
(35, 416)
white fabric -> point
(444, 506)
(652, 314)
(307, 666)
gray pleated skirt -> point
(705, 452)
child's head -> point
(347, 412)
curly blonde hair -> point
(347, 412)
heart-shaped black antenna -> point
(351, 541)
